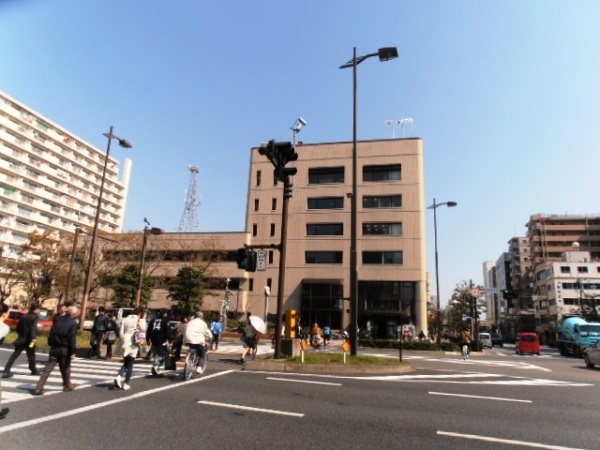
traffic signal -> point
(509, 294)
(251, 264)
(242, 258)
(246, 259)
(280, 153)
(288, 190)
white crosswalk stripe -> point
(84, 373)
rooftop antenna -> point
(401, 122)
(189, 220)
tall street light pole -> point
(384, 54)
(147, 231)
(90, 268)
(71, 265)
(437, 272)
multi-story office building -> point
(392, 275)
(50, 179)
(563, 288)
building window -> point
(272, 233)
(332, 257)
(42, 126)
(325, 229)
(274, 204)
(387, 201)
(326, 203)
(582, 269)
(254, 229)
(256, 203)
(270, 282)
(270, 256)
(325, 175)
(382, 258)
(565, 269)
(258, 176)
(390, 172)
(375, 228)
(251, 284)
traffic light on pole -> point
(280, 154)
(251, 262)
(246, 259)
(242, 258)
(508, 294)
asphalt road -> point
(494, 400)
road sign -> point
(476, 292)
(261, 260)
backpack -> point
(139, 336)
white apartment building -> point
(561, 287)
(50, 179)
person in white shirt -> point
(196, 335)
(130, 348)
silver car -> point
(591, 356)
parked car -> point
(591, 356)
(486, 340)
(497, 340)
(527, 343)
(14, 315)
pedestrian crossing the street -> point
(84, 373)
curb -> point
(336, 369)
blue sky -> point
(504, 94)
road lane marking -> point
(250, 408)
(304, 381)
(506, 441)
(40, 420)
(501, 399)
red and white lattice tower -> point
(189, 220)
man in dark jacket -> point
(98, 330)
(27, 331)
(159, 335)
(63, 343)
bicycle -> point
(195, 360)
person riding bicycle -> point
(196, 335)
(316, 336)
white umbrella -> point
(258, 324)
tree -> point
(462, 303)
(41, 263)
(125, 285)
(187, 289)
(11, 278)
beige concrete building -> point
(392, 265)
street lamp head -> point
(387, 53)
(125, 143)
(451, 204)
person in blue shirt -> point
(217, 330)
